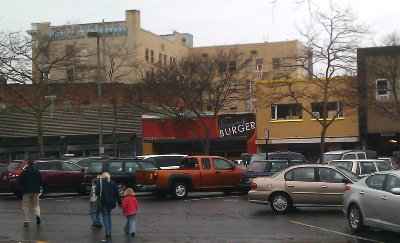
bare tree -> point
(332, 38)
(28, 60)
(119, 69)
(195, 88)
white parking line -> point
(208, 198)
(336, 232)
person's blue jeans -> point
(95, 216)
(106, 215)
(130, 225)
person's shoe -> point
(98, 225)
(93, 226)
(108, 236)
(38, 221)
(133, 235)
(26, 224)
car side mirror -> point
(395, 191)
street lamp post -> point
(98, 35)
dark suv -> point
(58, 176)
(260, 168)
(121, 170)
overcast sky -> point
(211, 22)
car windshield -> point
(349, 174)
(146, 165)
(257, 166)
(13, 165)
(95, 167)
(330, 157)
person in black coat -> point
(30, 180)
(107, 190)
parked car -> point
(84, 162)
(260, 168)
(278, 155)
(122, 171)
(349, 154)
(363, 167)
(302, 186)
(3, 166)
(58, 176)
(164, 161)
(373, 201)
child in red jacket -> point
(129, 210)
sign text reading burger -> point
(236, 125)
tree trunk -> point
(322, 144)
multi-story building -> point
(379, 82)
(283, 124)
(266, 60)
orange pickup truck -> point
(196, 173)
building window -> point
(259, 64)
(160, 58)
(382, 89)
(233, 104)
(70, 74)
(287, 62)
(249, 85)
(276, 63)
(253, 52)
(249, 65)
(286, 112)
(334, 109)
(208, 106)
(248, 104)
(204, 55)
(165, 60)
(152, 56)
(146, 55)
(162, 47)
(172, 60)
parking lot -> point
(202, 217)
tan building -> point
(285, 125)
(379, 79)
(128, 44)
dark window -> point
(49, 166)
(70, 74)
(330, 175)
(70, 167)
(382, 166)
(278, 166)
(276, 63)
(221, 164)
(257, 166)
(349, 156)
(392, 182)
(148, 166)
(344, 164)
(376, 181)
(131, 166)
(286, 112)
(253, 52)
(146, 54)
(152, 56)
(367, 167)
(206, 163)
(96, 167)
(301, 174)
(115, 166)
(14, 165)
(334, 109)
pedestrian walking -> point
(31, 182)
(94, 203)
(109, 197)
(129, 210)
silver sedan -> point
(374, 201)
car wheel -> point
(355, 218)
(280, 203)
(180, 190)
(121, 189)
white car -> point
(362, 167)
(374, 201)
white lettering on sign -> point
(237, 128)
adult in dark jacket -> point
(30, 181)
(109, 197)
